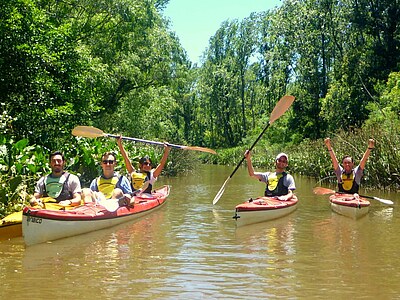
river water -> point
(190, 249)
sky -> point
(196, 21)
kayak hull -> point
(349, 206)
(41, 225)
(11, 226)
(263, 209)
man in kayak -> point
(144, 178)
(63, 187)
(348, 177)
(279, 184)
(110, 184)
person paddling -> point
(63, 187)
(144, 178)
(279, 184)
(348, 177)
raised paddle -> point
(324, 191)
(280, 108)
(93, 132)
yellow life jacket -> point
(138, 180)
(275, 186)
(348, 182)
(273, 180)
(106, 186)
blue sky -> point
(196, 21)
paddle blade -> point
(221, 191)
(88, 131)
(323, 191)
(388, 202)
(201, 149)
(281, 107)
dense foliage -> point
(116, 65)
(332, 55)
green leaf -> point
(15, 182)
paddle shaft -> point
(143, 141)
(280, 108)
(221, 191)
(324, 191)
(195, 148)
(329, 191)
(93, 132)
(385, 201)
(362, 196)
(251, 148)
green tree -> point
(43, 71)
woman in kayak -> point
(348, 177)
(279, 184)
(144, 178)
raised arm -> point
(250, 167)
(127, 161)
(371, 145)
(164, 158)
(331, 153)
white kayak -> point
(263, 209)
(349, 205)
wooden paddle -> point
(324, 191)
(280, 108)
(93, 132)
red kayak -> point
(43, 225)
(11, 225)
(263, 209)
(349, 205)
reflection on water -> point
(190, 249)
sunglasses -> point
(110, 161)
(146, 163)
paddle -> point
(280, 108)
(93, 132)
(324, 191)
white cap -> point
(282, 154)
